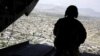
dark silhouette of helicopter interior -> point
(11, 10)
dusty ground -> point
(38, 29)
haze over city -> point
(86, 7)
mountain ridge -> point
(54, 9)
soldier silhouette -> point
(70, 33)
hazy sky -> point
(93, 4)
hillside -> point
(38, 29)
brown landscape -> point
(38, 27)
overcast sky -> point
(92, 4)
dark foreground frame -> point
(27, 49)
(11, 10)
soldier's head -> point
(71, 11)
